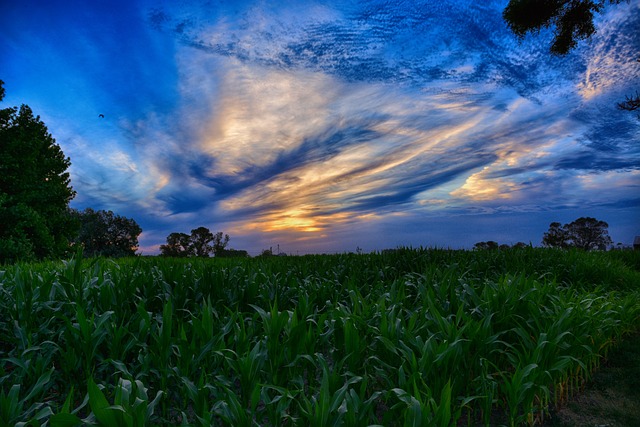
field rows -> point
(408, 337)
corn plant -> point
(405, 337)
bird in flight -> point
(101, 116)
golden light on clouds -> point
(611, 57)
(262, 113)
(294, 219)
(479, 188)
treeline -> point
(200, 243)
(584, 233)
(36, 221)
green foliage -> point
(583, 233)
(201, 243)
(103, 233)
(35, 189)
(404, 337)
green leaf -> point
(100, 406)
(64, 420)
(38, 387)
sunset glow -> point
(330, 126)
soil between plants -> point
(612, 397)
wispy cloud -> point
(319, 123)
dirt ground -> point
(612, 397)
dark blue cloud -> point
(313, 149)
(276, 119)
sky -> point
(331, 126)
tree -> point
(589, 233)
(201, 243)
(584, 233)
(572, 20)
(35, 188)
(489, 245)
(103, 233)
(266, 253)
(220, 242)
(556, 237)
(177, 246)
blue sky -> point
(326, 126)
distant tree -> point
(35, 188)
(266, 253)
(520, 245)
(232, 253)
(589, 233)
(103, 233)
(584, 233)
(178, 245)
(556, 237)
(201, 243)
(220, 242)
(486, 245)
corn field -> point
(410, 337)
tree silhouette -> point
(572, 21)
(201, 243)
(103, 233)
(584, 233)
(177, 245)
(220, 242)
(556, 237)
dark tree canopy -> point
(589, 233)
(201, 243)
(572, 20)
(556, 237)
(220, 242)
(103, 233)
(35, 188)
(492, 244)
(489, 245)
(178, 245)
(584, 233)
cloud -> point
(320, 123)
(612, 53)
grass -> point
(405, 337)
(612, 397)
